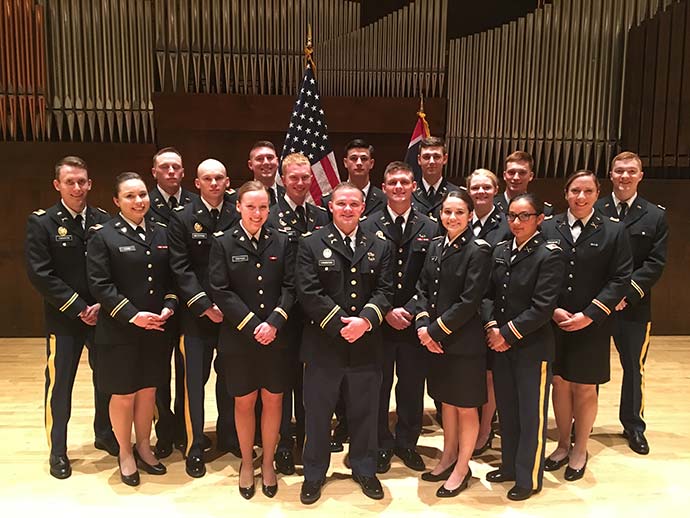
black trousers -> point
(169, 424)
(63, 354)
(197, 356)
(322, 386)
(522, 398)
(632, 341)
(408, 360)
(293, 405)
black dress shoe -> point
(60, 466)
(269, 491)
(430, 477)
(411, 458)
(444, 492)
(132, 480)
(371, 486)
(498, 476)
(247, 492)
(151, 469)
(553, 465)
(637, 442)
(310, 492)
(163, 449)
(108, 444)
(383, 461)
(285, 464)
(518, 493)
(194, 466)
(572, 474)
(484, 446)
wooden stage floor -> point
(617, 483)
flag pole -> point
(309, 51)
(422, 115)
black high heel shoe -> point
(572, 474)
(269, 491)
(484, 446)
(430, 477)
(246, 492)
(155, 469)
(444, 492)
(132, 480)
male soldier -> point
(433, 156)
(359, 161)
(190, 233)
(648, 232)
(344, 286)
(517, 174)
(263, 163)
(168, 194)
(409, 233)
(298, 218)
(56, 264)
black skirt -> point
(583, 356)
(457, 380)
(261, 367)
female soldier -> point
(525, 283)
(127, 265)
(488, 223)
(251, 275)
(598, 269)
(450, 291)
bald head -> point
(212, 181)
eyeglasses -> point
(523, 216)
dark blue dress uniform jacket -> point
(522, 296)
(450, 292)
(495, 228)
(647, 229)
(159, 211)
(332, 284)
(190, 234)
(374, 201)
(128, 275)
(251, 286)
(55, 252)
(431, 208)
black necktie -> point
(255, 243)
(348, 245)
(399, 222)
(513, 254)
(79, 220)
(623, 210)
(430, 193)
(272, 195)
(576, 229)
(215, 214)
(172, 202)
(301, 216)
(141, 233)
(477, 227)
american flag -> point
(421, 131)
(308, 134)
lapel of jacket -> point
(158, 204)
(242, 240)
(362, 246)
(265, 240)
(457, 245)
(414, 224)
(228, 214)
(593, 226)
(124, 229)
(491, 223)
(607, 207)
(563, 227)
(386, 226)
(636, 211)
(528, 249)
(373, 201)
(334, 241)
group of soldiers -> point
(365, 298)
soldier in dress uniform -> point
(295, 216)
(598, 268)
(251, 275)
(359, 161)
(129, 274)
(526, 280)
(409, 233)
(433, 156)
(56, 264)
(190, 234)
(344, 284)
(488, 223)
(164, 198)
(263, 164)
(517, 174)
(647, 230)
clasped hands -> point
(152, 321)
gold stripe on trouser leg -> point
(540, 432)
(185, 382)
(49, 395)
(643, 353)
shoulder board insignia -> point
(481, 242)
(433, 218)
(102, 210)
(307, 234)
(39, 212)
(230, 191)
(548, 217)
(614, 219)
(437, 238)
(161, 224)
(96, 227)
(218, 234)
(502, 242)
(553, 247)
(548, 204)
(661, 207)
(179, 208)
(321, 208)
(284, 231)
(362, 218)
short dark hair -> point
(168, 149)
(626, 155)
(397, 166)
(433, 142)
(251, 185)
(532, 199)
(359, 143)
(461, 194)
(122, 178)
(346, 185)
(72, 161)
(579, 174)
(262, 143)
(519, 156)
